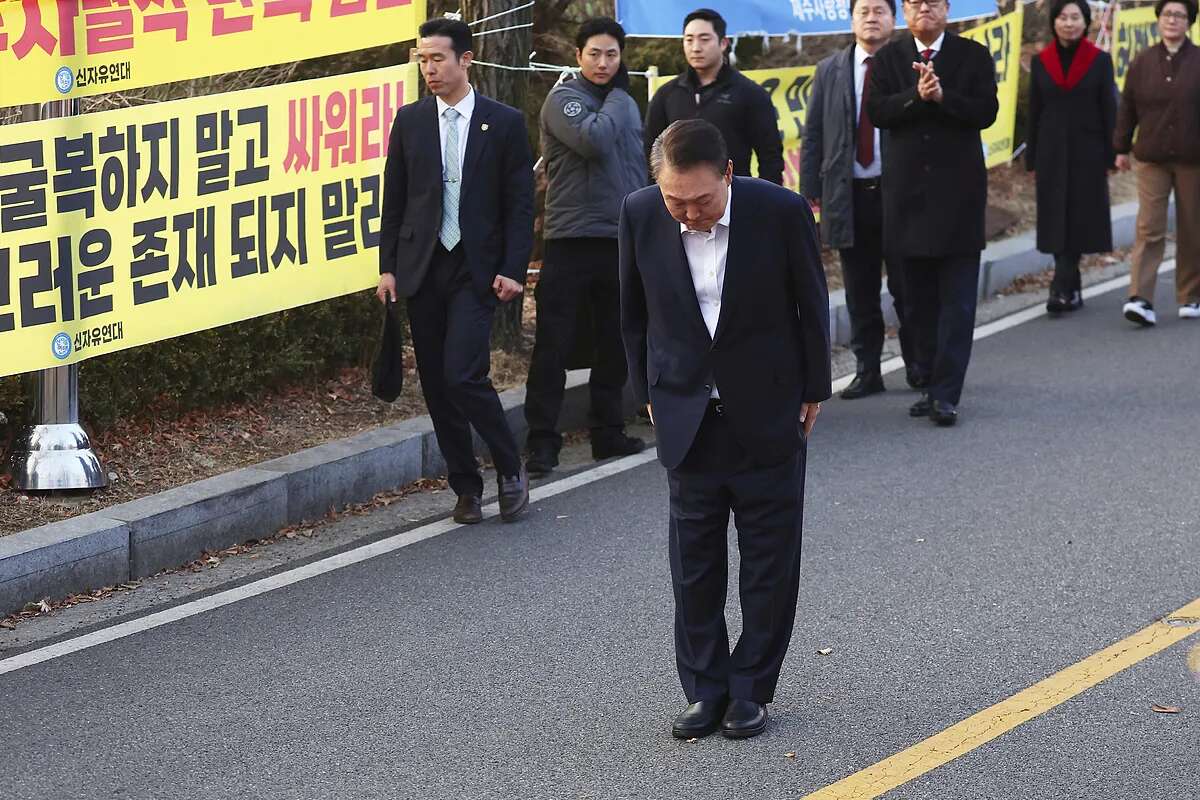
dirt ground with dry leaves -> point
(152, 453)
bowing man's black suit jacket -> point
(771, 349)
(496, 201)
(934, 177)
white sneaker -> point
(1140, 311)
(1190, 311)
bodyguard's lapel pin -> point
(483, 127)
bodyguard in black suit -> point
(456, 236)
(725, 317)
(932, 93)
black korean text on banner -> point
(127, 227)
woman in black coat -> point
(1072, 113)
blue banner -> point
(762, 17)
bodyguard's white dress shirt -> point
(465, 109)
(707, 252)
(860, 74)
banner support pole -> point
(52, 452)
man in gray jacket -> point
(592, 143)
(841, 164)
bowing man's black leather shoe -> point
(921, 407)
(743, 719)
(864, 384)
(468, 510)
(514, 496)
(699, 719)
(943, 413)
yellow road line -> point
(981, 728)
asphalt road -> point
(945, 569)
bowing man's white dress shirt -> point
(706, 253)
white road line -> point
(312, 570)
(401, 540)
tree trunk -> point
(508, 87)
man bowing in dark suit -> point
(456, 236)
(932, 93)
(725, 317)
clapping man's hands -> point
(929, 87)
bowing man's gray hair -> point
(689, 143)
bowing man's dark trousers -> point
(767, 502)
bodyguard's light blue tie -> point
(451, 182)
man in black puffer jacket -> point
(714, 91)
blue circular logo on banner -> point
(64, 80)
(61, 346)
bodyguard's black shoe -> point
(699, 719)
(468, 510)
(864, 384)
(514, 496)
(743, 719)
(921, 407)
(943, 413)
(542, 458)
(613, 446)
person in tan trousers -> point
(1161, 103)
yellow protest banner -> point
(55, 49)
(127, 227)
(1136, 29)
(1002, 38)
(791, 87)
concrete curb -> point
(139, 538)
(1002, 263)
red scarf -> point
(1079, 65)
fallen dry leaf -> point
(692, 740)
(789, 755)
(1161, 709)
(824, 652)
(44, 606)
(8, 624)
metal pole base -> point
(54, 458)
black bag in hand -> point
(387, 373)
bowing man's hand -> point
(506, 288)
(808, 416)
